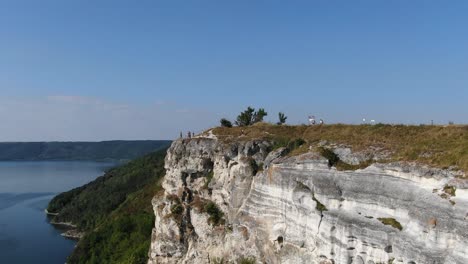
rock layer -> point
(281, 209)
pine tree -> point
(250, 116)
(282, 118)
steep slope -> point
(96, 151)
(123, 236)
(113, 212)
(240, 198)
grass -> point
(438, 146)
(318, 205)
(291, 144)
(342, 166)
(246, 260)
(218, 261)
(391, 222)
(209, 177)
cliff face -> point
(277, 208)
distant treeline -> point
(92, 151)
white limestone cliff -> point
(297, 209)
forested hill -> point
(92, 151)
(114, 211)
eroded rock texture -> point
(280, 209)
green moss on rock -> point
(391, 222)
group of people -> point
(189, 134)
(312, 121)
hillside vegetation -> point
(439, 146)
(95, 151)
(114, 211)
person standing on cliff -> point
(311, 120)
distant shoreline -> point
(105, 151)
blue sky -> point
(95, 70)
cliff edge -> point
(246, 199)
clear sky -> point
(95, 70)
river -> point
(25, 190)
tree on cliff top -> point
(250, 116)
(282, 118)
(225, 123)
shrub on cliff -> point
(290, 144)
(253, 164)
(216, 215)
(295, 143)
(450, 190)
(332, 158)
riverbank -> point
(73, 234)
(71, 230)
(50, 213)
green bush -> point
(295, 143)
(215, 214)
(330, 155)
(250, 116)
(334, 160)
(177, 209)
(225, 123)
(290, 144)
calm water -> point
(25, 189)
